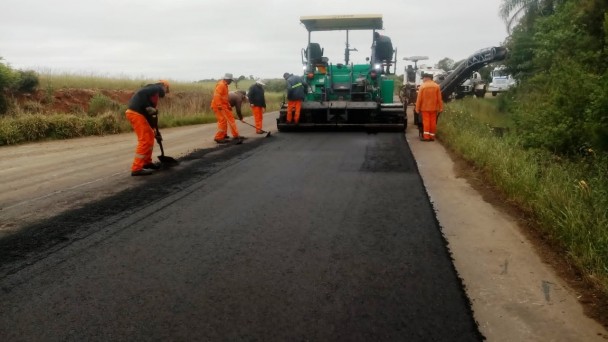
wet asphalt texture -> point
(299, 237)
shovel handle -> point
(159, 140)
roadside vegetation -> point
(545, 143)
(25, 119)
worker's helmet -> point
(165, 83)
(427, 74)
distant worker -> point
(411, 74)
(296, 92)
(237, 98)
(258, 104)
(143, 116)
(223, 110)
(429, 104)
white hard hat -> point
(228, 76)
(259, 81)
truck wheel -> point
(494, 93)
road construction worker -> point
(223, 111)
(236, 99)
(429, 104)
(296, 92)
(258, 104)
(143, 116)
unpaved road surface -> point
(294, 237)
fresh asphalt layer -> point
(301, 236)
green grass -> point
(187, 104)
(568, 198)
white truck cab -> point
(501, 80)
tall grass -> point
(94, 81)
(187, 104)
(568, 198)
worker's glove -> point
(152, 116)
(151, 110)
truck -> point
(501, 80)
(474, 85)
(344, 94)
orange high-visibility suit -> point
(136, 114)
(429, 103)
(296, 92)
(258, 104)
(223, 111)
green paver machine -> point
(347, 94)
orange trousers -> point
(429, 125)
(145, 139)
(258, 116)
(225, 119)
(294, 105)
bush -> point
(551, 111)
(100, 104)
(7, 81)
(275, 85)
(27, 81)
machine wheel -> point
(494, 93)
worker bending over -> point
(143, 116)
(236, 99)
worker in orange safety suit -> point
(296, 92)
(429, 103)
(223, 111)
(143, 116)
(258, 104)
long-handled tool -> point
(164, 160)
(263, 131)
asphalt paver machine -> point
(343, 94)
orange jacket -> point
(220, 96)
(429, 98)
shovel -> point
(263, 131)
(164, 160)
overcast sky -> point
(189, 40)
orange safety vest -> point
(220, 95)
(429, 98)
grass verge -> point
(568, 198)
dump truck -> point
(501, 80)
(343, 94)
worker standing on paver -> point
(258, 104)
(296, 92)
(429, 104)
(143, 116)
(223, 111)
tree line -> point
(557, 49)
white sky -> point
(189, 40)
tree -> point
(237, 80)
(513, 11)
(445, 64)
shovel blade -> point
(168, 161)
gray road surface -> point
(312, 237)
